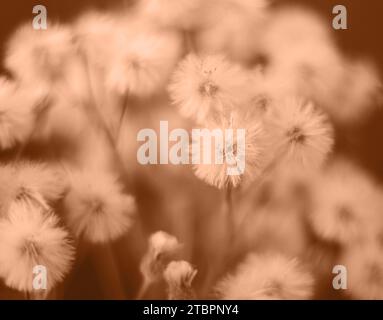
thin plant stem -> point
(92, 106)
(230, 221)
(122, 117)
(110, 267)
(143, 289)
(108, 274)
(261, 180)
(217, 267)
(266, 173)
(44, 107)
(97, 118)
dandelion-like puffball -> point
(301, 53)
(40, 182)
(293, 34)
(364, 265)
(303, 58)
(29, 237)
(204, 87)
(17, 113)
(183, 14)
(50, 181)
(39, 56)
(264, 277)
(260, 100)
(143, 60)
(357, 93)
(162, 247)
(224, 157)
(179, 276)
(345, 204)
(96, 207)
(92, 31)
(232, 26)
(303, 135)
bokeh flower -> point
(264, 277)
(345, 204)
(96, 207)
(364, 265)
(17, 113)
(30, 236)
(36, 56)
(304, 59)
(143, 59)
(357, 95)
(204, 87)
(42, 183)
(183, 14)
(303, 135)
(234, 27)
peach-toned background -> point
(363, 38)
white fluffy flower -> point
(346, 204)
(39, 56)
(233, 157)
(203, 87)
(303, 135)
(264, 277)
(96, 207)
(138, 59)
(357, 93)
(232, 26)
(304, 60)
(35, 181)
(143, 59)
(17, 113)
(292, 35)
(93, 30)
(49, 181)
(347, 91)
(179, 276)
(364, 266)
(302, 57)
(29, 236)
(260, 98)
(172, 13)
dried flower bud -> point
(179, 276)
(162, 246)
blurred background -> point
(166, 197)
(360, 39)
